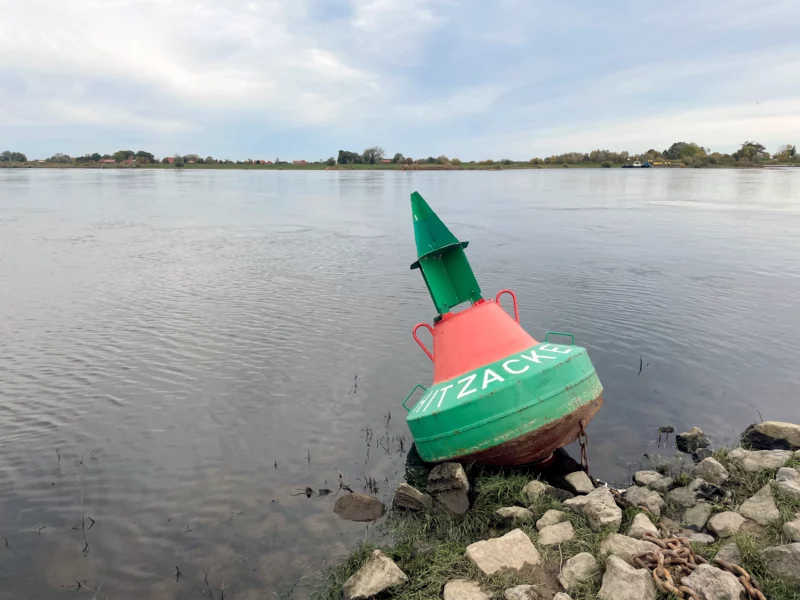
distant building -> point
(170, 160)
(299, 162)
(387, 161)
(105, 161)
(269, 162)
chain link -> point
(583, 440)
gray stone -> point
(645, 478)
(691, 441)
(511, 552)
(758, 460)
(624, 547)
(673, 527)
(556, 534)
(534, 489)
(662, 485)
(551, 517)
(712, 583)
(761, 508)
(623, 582)
(446, 477)
(702, 453)
(649, 499)
(730, 553)
(377, 575)
(562, 596)
(682, 496)
(411, 499)
(772, 435)
(696, 517)
(712, 471)
(579, 482)
(725, 524)
(581, 567)
(514, 513)
(797, 455)
(783, 561)
(791, 530)
(789, 482)
(454, 501)
(599, 508)
(641, 525)
(702, 539)
(522, 592)
(359, 507)
(464, 589)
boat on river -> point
(498, 396)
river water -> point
(183, 352)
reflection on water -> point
(188, 343)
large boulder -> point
(783, 561)
(623, 582)
(464, 589)
(772, 435)
(645, 478)
(789, 482)
(759, 460)
(725, 524)
(691, 441)
(684, 497)
(702, 539)
(411, 499)
(551, 517)
(791, 530)
(534, 490)
(513, 514)
(696, 517)
(599, 508)
(556, 534)
(512, 552)
(649, 499)
(578, 482)
(581, 567)
(712, 583)
(624, 547)
(641, 525)
(662, 485)
(761, 508)
(377, 575)
(712, 471)
(449, 486)
(359, 507)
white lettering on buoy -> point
(512, 371)
(487, 381)
(464, 391)
(556, 349)
(535, 357)
(427, 404)
(422, 400)
(444, 391)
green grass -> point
(753, 563)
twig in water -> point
(6, 539)
(177, 574)
(276, 464)
(641, 364)
(354, 389)
(39, 529)
(759, 415)
(309, 456)
(58, 455)
(188, 529)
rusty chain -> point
(674, 558)
(583, 440)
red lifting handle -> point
(416, 339)
(513, 297)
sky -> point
(471, 79)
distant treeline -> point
(686, 153)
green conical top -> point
(442, 260)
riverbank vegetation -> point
(678, 155)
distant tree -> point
(536, 161)
(60, 158)
(190, 158)
(398, 158)
(409, 161)
(210, 160)
(506, 161)
(330, 162)
(430, 160)
(565, 165)
(373, 155)
(348, 158)
(179, 161)
(606, 164)
(442, 160)
(680, 150)
(96, 156)
(165, 161)
(8, 156)
(455, 161)
(144, 157)
(756, 145)
(121, 155)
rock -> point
(624, 547)
(514, 513)
(534, 489)
(673, 527)
(712, 583)
(789, 482)
(464, 589)
(454, 501)
(447, 476)
(651, 500)
(623, 582)
(579, 482)
(691, 441)
(711, 471)
(378, 574)
(551, 517)
(759, 460)
(702, 539)
(682, 496)
(797, 455)
(562, 596)
(645, 478)
(696, 517)
(522, 592)
(730, 553)
(725, 524)
(556, 534)
(578, 569)
(599, 508)
(641, 525)
(702, 454)
(772, 435)
(791, 530)
(662, 485)
(761, 508)
(411, 499)
(513, 552)
(359, 507)
(558, 494)
(783, 561)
